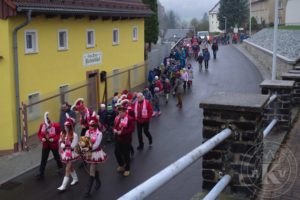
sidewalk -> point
(18, 163)
(282, 180)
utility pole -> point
(250, 18)
(274, 63)
(225, 24)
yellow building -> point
(59, 45)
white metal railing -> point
(269, 127)
(177, 43)
(272, 98)
(219, 187)
(152, 184)
(274, 121)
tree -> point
(204, 23)
(254, 24)
(235, 11)
(184, 24)
(205, 17)
(194, 23)
(172, 20)
(151, 24)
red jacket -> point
(126, 130)
(53, 132)
(138, 114)
(159, 85)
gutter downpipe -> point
(16, 73)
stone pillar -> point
(240, 155)
(280, 108)
(296, 91)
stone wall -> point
(296, 90)
(265, 59)
(281, 107)
(240, 155)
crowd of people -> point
(116, 122)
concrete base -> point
(224, 196)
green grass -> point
(289, 27)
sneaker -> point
(39, 176)
(154, 114)
(159, 113)
(126, 173)
(150, 141)
(120, 169)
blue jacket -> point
(206, 55)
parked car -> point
(202, 34)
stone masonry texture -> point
(239, 155)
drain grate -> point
(10, 185)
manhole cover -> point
(10, 185)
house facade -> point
(213, 19)
(58, 44)
(263, 11)
(292, 16)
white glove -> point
(43, 139)
(51, 139)
(62, 145)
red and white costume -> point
(68, 145)
(49, 135)
(98, 155)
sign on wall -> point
(92, 58)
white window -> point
(135, 33)
(33, 110)
(31, 41)
(90, 38)
(64, 96)
(62, 39)
(115, 36)
(280, 4)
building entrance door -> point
(93, 89)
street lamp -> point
(225, 24)
(274, 63)
(250, 18)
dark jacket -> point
(215, 47)
(62, 118)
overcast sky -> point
(188, 9)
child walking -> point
(156, 106)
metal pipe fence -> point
(164, 176)
(270, 127)
(219, 187)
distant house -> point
(292, 16)
(213, 19)
(263, 11)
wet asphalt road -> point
(175, 133)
